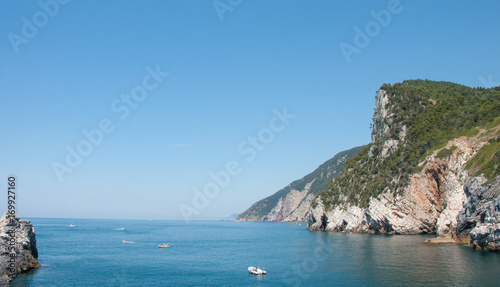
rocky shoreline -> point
(478, 223)
(18, 252)
(450, 191)
(442, 199)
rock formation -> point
(18, 252)
(478, 223)
(444, 198)
(430, 204)
(292, 202)
(431, 168)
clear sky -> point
(258, 92)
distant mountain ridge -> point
(291, 203)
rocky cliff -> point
(478, 223)
(293, 201)
(407, 182)
(18, 252)
(429, 204)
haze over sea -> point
(217, 253)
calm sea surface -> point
(218, 253)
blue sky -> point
(229, 72)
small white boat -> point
(126, 241)
(72, 225)
(164, 246)
(257, 271)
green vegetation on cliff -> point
(444, 153)
(321, 177)
(487, 161)
(420, 116)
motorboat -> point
(126, 241)
(164, 245)
(256, 271)
(72, 225)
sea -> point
(91, 252)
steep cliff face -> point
(430, 203)
(478, 223)
(18, 252)
(392, 187)
(292, 203)
(384, 123)
(288, 205)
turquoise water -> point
(217, 253)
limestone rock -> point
(18, 252)
(441, 199)
(292, 203)
(479, 220)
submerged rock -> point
(18, 252)
(439, 240)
